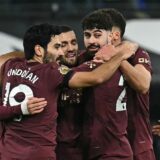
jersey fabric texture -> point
(139, 128)
(105, 119)
(69, 124)
(31, 137)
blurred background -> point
(143, 26)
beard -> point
(67, 63)
(49, 58)
(90, 54)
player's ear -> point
(39, 51)
(116, 33)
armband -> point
(24, 108)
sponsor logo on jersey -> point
(143, 60)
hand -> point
(98, 60)
(105, 53)
(127, 48)
(36, 105)
(156, 129)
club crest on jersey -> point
(63, 69)
(91, 64)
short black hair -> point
(117, 18)
(65, 28)
(96, 20)
(38, 34)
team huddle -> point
(60, 103)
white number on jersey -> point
(10, 95)
(120, 104)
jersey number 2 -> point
(120, 104)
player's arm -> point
(137, 76)
(138, 71)
(33, 106)
(6, 56)
(108, 51)
(101, 73)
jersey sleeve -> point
(67, 77)
(85, 67)
(7, 112)
(143, 58)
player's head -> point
(42, 43)
(96, 30)
(69, 46)
(118, 22)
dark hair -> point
(38, 34)
(117, 18)
(65, 28)
(96, 20)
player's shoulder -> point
(13, 61)
(10, 55)
(141, 51)
(142, 56)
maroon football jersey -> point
(139, 128)
(106, 116)
(69, 115)
(1, 134)
(34, 136)
(5, 113)
(1, 130)
(69, 124)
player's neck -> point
(117, 42)
(36, 59)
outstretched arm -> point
(137, 76)
(137, 71)
(6, 56)
(108, 51)
(101, 73)
(33, 106)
